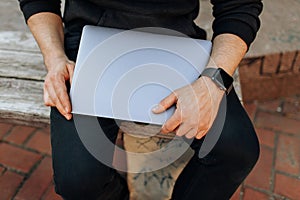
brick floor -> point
(261, 175)
(16, 137)
(17, 158)
(4, 129)
(40, 141)
(288, 155)
(9, 181)
(266, 137)
(25, 163)
(26, 173)
(251, 194)
(287, 186)
(38, 182)
(50, 194)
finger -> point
(201, 134)
(50, 93)
(191, 133)
(165, 103)
(183, 129)
(63, 99)
(172, 123)
(54, 98)
(54, 90)
(70, 68)
(47, 100)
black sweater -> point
(239, 17)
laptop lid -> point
(123, 74)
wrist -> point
(211, 84)
(54, 53)
(54, 62)
(229, 70)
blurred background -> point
(268, 79)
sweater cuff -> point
(35, 7)
(236, 27)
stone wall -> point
(270, 76)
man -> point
(77, 174)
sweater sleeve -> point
(239, 17)
(31, 7)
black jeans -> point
(78, 175)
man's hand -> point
(197, 104)
(47, 29)
(55, 91)
(196, 108)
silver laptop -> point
(123, 74)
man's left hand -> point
(197, 106)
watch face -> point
(226, 79)
(217, 78)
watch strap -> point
(219, 77)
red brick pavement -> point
(26, 173)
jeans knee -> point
(110, 185)
(80, 186)
(252, 150)
(246, 158)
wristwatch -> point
(219, 77)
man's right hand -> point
(61, 69)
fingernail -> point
(163, 131)
(68, 117)
(155, 108)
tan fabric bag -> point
(158, 184)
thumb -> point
(165, 103)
